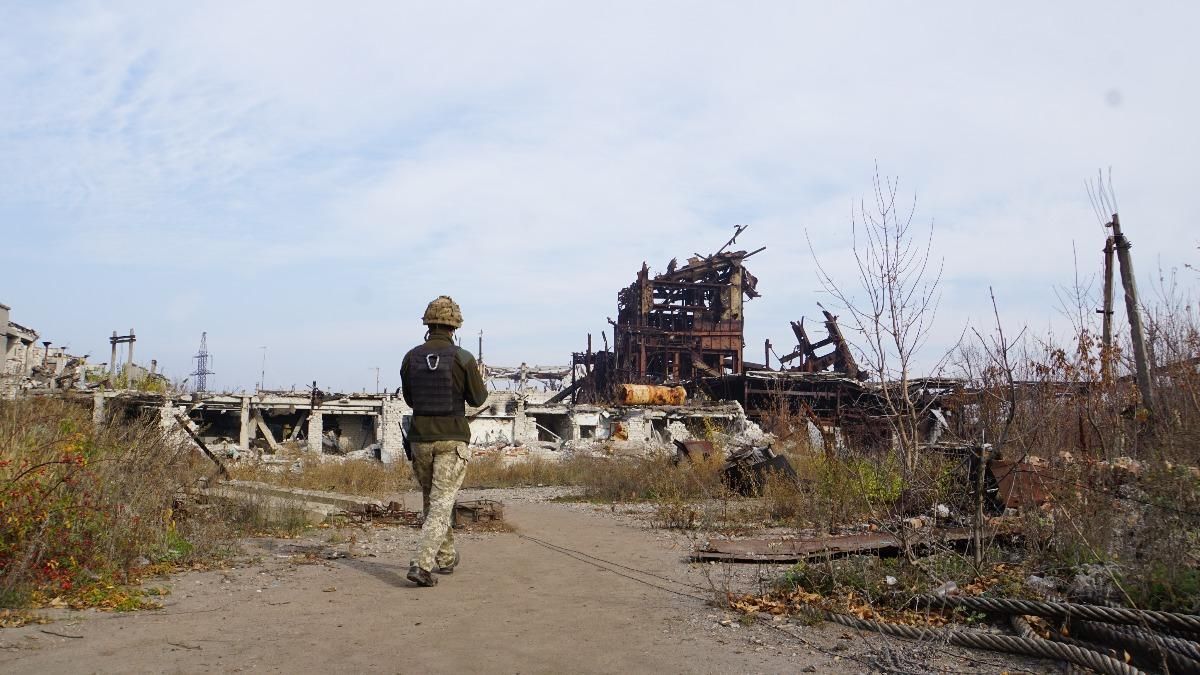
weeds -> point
(88, 511)
(84, 508)
(299, 470)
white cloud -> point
(527, 157)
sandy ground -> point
(604, 594)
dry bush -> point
(83, 506)
(1137, 532)
(789, 427)
(836, 492)
(353, 476)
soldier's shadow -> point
(392, 575)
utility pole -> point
(262, 381)
(1129, 283)
(376, 369)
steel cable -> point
(997, 643)
(1136, 617)
(583, 557)
(564, 549)
(1025, 630)
(1150, 647)
(1188, 648)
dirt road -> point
(326, 604)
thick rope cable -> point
(1136, 617)
(1151, 648)
(1025, 630)
(1009, 644)
(1188, 648)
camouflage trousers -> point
(440, 467)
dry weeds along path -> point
(513, 606)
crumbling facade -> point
(19, 346)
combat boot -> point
(421, 577)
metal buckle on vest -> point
(433, 361)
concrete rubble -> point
(33, 366)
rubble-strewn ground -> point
(603, 593)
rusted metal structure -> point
(841, 359)
(685, 323)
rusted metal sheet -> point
(694, 449)
(648, 394)
(796, 550)
(1021, 485)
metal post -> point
(1135, 317)
(112, 362)
(262, 380)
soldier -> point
(438, 378)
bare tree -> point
(894, 303)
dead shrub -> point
(85, 506)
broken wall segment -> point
(244, 424)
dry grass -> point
(492, 471)
(357, 477)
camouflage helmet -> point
(443, 311)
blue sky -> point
(307, 177)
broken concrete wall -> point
(17, 344)
(391, 442)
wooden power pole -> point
(1129, 283)
(1106, 345)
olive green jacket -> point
(467, 381)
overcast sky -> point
(307, 176)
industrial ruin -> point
(676, 358)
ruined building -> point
(684, 323)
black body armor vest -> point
(431, 376)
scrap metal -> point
(805, 548)
(841, 359)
